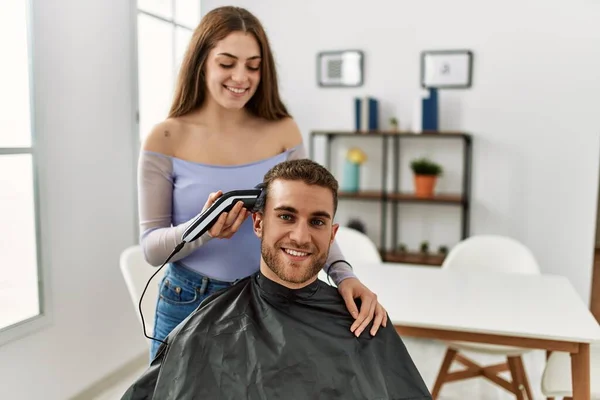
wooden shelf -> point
(404, 134)
(361, 195)
(443, 198)
(392, 195)
(414, 258)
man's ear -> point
(334, 229)
(257, 223)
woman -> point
(226, 128)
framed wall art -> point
(340, 68)
(446, 69)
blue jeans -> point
(180, 292)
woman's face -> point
(233, 70)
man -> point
(282, 333)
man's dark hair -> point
(304, 170)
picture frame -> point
(446, 69)
(342, 68)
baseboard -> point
(112, 379)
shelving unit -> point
(394, 196)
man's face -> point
(296, 231)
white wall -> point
(533, 108)
(84, 119)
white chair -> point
(556, 380)
(357, 248)
(488, 253)
(137, 272)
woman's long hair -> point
(190, 90)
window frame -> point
(43, 319)
(136, 11)
(136, 137)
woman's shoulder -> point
(285, 132)
(163, 137)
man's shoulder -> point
(329, 291)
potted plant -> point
(443, 250)
(394, 123)
(424, 247)
(425, 176)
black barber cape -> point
(260, 340)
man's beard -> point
(287, 271)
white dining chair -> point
(556, 379)
(136, 272)
(488, 253)
(358, 249)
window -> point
(164, 29)
(20, 277)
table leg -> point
(580, 372)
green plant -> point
(424, 166)
(402, 248)
(424, 246)
(443, 250)
(394, 122)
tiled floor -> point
(428, 357)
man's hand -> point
(350, 289)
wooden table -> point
(530, 311)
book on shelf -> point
(426, 112)
(366, 114)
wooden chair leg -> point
(444, 370)
(524, 379)
(513, 366)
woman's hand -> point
(350, 289)
(228, 222)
